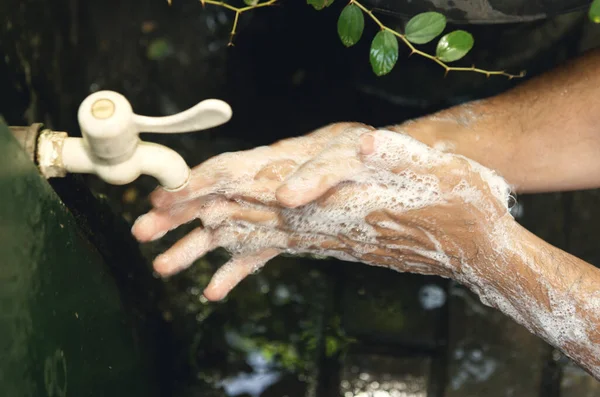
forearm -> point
(544, 135)
(552, 293)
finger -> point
(161, 198)
(325, 134)
(277, 170)
(155, 224)
(316, 177)
(225, 171)
(216, 213)
(259, 191)
(367, 143)
(395, 151)
(230, 274)
(202, 176)
(262, 192)
(258, 188)
(181, 255)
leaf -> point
(251, 2)
(384, 52)
(594, 12)
(159, 49)
(332, 346)
(350, 25)
(454, 46)
(424, 27)
(319, 4)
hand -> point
(256, 174)
(377, 197)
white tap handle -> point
(110, 128)
(207, 114)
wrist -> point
(492, 255)
(439, 131)
(472, 130)
(519, 265)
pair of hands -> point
(346, 191)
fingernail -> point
(158, 235)
(367, 143)
(144, 223)
(139, 219)
(162, 266)
(212, 294)
(138, 223)
(292, 193)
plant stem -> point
(238, 11)
(414, 50)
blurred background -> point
(300, 327)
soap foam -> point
(555, 318)
(407, 189)
(313, 227)
(412, 187)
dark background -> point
(300, 327)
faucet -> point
(110, 146)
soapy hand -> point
(344, 191)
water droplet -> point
(432, 296)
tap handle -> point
(110, 128)
(207, 114)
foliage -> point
(425, 27)
(383, 54)
(454, 46)
(250, 5)
(350, 25)
(420, 29)
(319, 4)
(594, 12)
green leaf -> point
(251, 2)
(159, 49)
(594, 13)
(454, 46)
(384, 52)
(319, 4)
(332, 346)
(350, 25)
(424, 27)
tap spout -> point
(67, 154)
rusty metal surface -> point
(27, 138)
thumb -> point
(393, 151)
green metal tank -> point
(65, 326)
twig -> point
(414, 50)
(238, 11)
